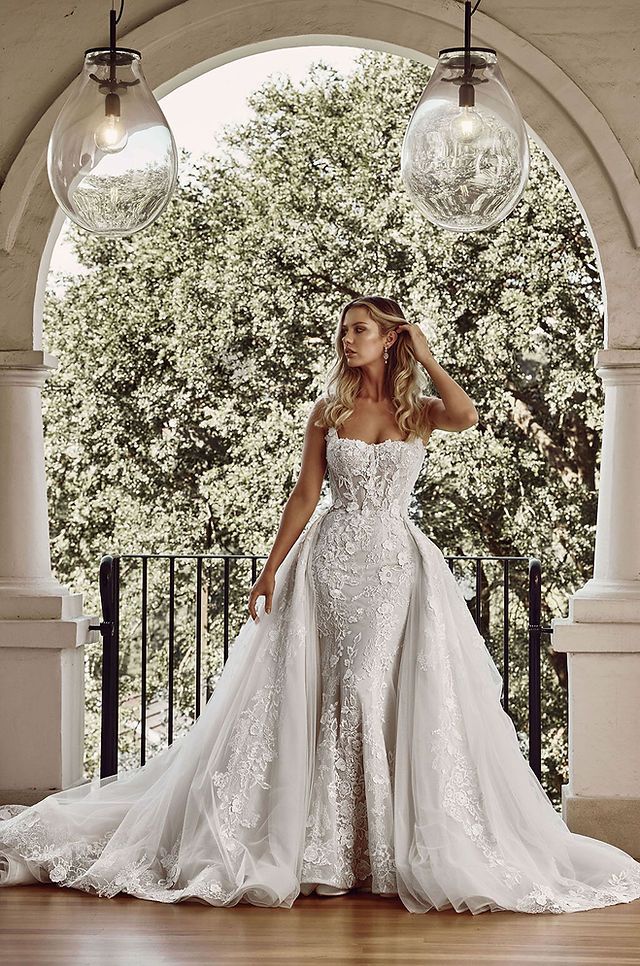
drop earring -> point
(386, 354)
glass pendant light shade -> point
(465, 154)
(112, 160)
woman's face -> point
(362, 342)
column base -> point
(612, 820)
(39, 605)
(606, 600)
(30, 796)
(42, 697)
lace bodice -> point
(373, 477)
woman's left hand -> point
(419, 344)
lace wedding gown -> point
(356, 738)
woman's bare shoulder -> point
(318, 407)
(315, 419)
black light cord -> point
(472, 12)
(113, 21)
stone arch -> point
(196, 36)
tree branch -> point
(525, 419)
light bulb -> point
(467, 125)
(111, 134)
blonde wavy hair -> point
(405, 382)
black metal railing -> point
(110, 588)
(535, 631)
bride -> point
(355, 739)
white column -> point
(42, 628)
(601, 635)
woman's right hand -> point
(263, 587)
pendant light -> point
(465, 153)
(112, 160)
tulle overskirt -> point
(219, 816)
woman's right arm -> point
(297, 511)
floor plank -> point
(53, 925)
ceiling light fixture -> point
(465, 154)
(112, 160)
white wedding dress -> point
(355, 738)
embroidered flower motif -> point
(311, 854)
(385, 609)
(58, 873)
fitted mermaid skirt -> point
(356, 737)
(363, 571)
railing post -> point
(199, 635)
(172, 620)
(143, 661)
(110, 597)
(535, 631)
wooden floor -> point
(53, 925)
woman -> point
(356, 738)
(363, 567)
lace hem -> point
(70, 864)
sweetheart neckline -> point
(363, 442)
